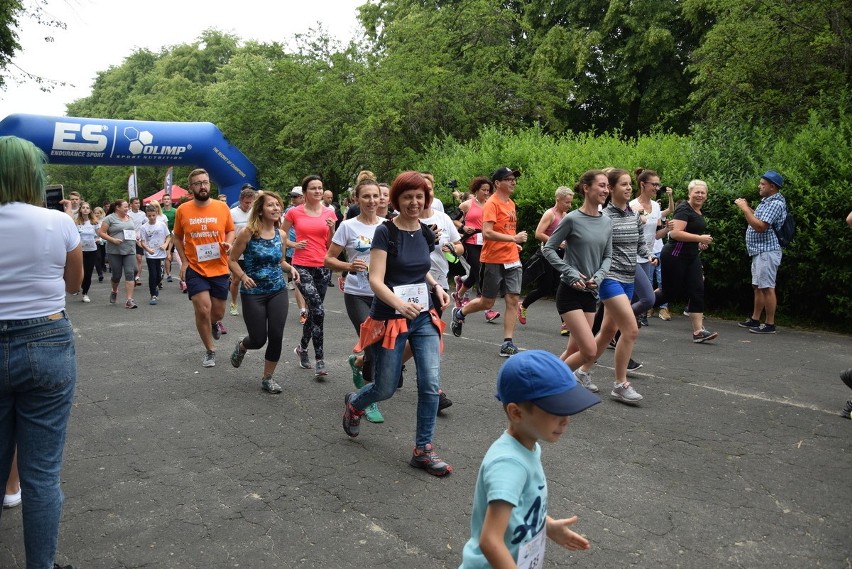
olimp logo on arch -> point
(141, 144)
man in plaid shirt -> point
(764, 249)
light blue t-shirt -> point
(512, 473)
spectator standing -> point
(764, 249)
(38, 362)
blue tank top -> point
(262, 260)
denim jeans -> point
(425, 343)
(38, 373)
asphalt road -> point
(737, 456)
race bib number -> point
(87, 241)
(478, 239)
(130, 235)
(208, 252)
(531, 554)
(511, 265)
(416, 293)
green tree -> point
(770, 60)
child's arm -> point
(492, 539)
(557, 530)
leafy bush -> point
(816, 272)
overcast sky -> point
(102, 33)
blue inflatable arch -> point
(85, 141)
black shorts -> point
(568, 299)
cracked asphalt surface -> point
(737, 456)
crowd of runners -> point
(612, 257)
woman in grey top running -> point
(585, 262)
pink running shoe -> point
(458, 301)
(491, 315)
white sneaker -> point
(625, 392)
(11, 500)
(585, 378)
(234, 310)
(86, 298)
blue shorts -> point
(216, 286)
(611, 288)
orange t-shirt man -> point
(203, 230)
(502, 215)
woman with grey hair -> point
(549, 279)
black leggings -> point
(683, 279)
(471, 255)
(547, 283)
(358, 309)
(265, 316)
(313, 283)
(90, 259)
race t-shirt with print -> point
(502, 215)
(356, 238)
(203, 230)
(512, 473)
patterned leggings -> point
(313, 284)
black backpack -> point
(787, 230)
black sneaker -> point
(763, 329)
(847, 411)
(749, 323)
(612, 344)
(426, 459)
(458, 322)
(216, 332)
(58, 566)
(443, 400)
(704, 336)
(633, 365)
(351, 416)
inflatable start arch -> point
(90, 142)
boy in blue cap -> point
(509, 522)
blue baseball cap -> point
(543, 379)
(774, 177)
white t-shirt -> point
(449, 234)
(437, 205)
(154, 236)
(650, 228)
(357, 239)
(240, 218)
(33, 285)
(139, 218)
(88, 236)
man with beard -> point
(203, 233)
